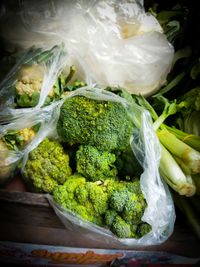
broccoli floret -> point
(103, 124)
(47, 166)
(86, 199)
(191, 100)
(95, 164)
(121, 228)
(143, 229)
(118, 199)
(188, 118)
(99, 202)
(134, 209)
(127, 200)
(110, 216)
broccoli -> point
(127, 199)
(121, 228)
(87, 199)
(105, 203)
(103, 124)
(95, 164)
(47, 166)
(143, 229)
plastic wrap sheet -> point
(112, 42)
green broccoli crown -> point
(95, 164)
(121, 228)
(110, 216)
(127, 200)
(118, 199)
(47, 166)
(143, 229)
(105, 204)
(86, 199)
(103, 124)
(133, 208)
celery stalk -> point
(187, 154)
(174, 176)
(190, 139)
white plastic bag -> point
(116, 41)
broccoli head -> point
(103, 124)
(105, 204)
(95, 164)
(47, 166)
(87, 199)
(119, 226)
(143, 229)
(127, 201)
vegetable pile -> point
(77, 147)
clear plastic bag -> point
(147, 150)
(111, 42)
(35, 64)
(17, 122)
(143, 142)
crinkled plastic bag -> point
(16, 119)
(112, 42)
(160, 210)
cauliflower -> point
(29, 84)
